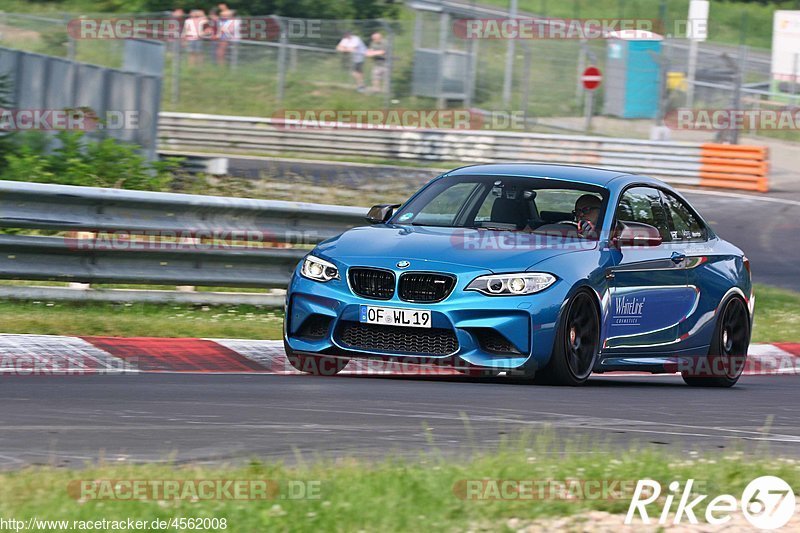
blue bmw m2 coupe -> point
(545, 272)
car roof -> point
(577, 173)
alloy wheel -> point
(582, 331)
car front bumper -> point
(468, 329)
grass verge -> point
(777, 315)
(424, 494)
(777, 319)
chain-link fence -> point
(298, 68)
(426, 64)
(737, 79)
(204, 70)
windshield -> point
(508, 204)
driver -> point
(587, 213)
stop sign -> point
(591, 78)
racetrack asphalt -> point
(68, 421)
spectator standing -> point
(212, 36)
(179, 16)
(229, 30)
(195, 30)
(353, 45)
(377, 51)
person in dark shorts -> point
(353, 45)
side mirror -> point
(378, 214)
(636, 234)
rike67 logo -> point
(767, 502)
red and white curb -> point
(61, 355)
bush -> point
(68, 158)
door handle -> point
(678, 257)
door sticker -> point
(628, 311)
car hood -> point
(497, 251)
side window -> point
(559, 200)
(485, 212)
(643, 204)
(685, 226)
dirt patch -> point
(11, 33)
(602, 522)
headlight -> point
(512, 284)
(319, 269)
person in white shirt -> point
(228, 30)
(195, 30)
(353, 45)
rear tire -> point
(576, 346)
(316, 365)
(727, 354)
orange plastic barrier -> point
(734, 166)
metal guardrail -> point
(137, 237)
(66, 207)
(84, 260)
(681, 163)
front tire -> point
(577, 344)
(727, 354)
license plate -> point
(391, 316)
